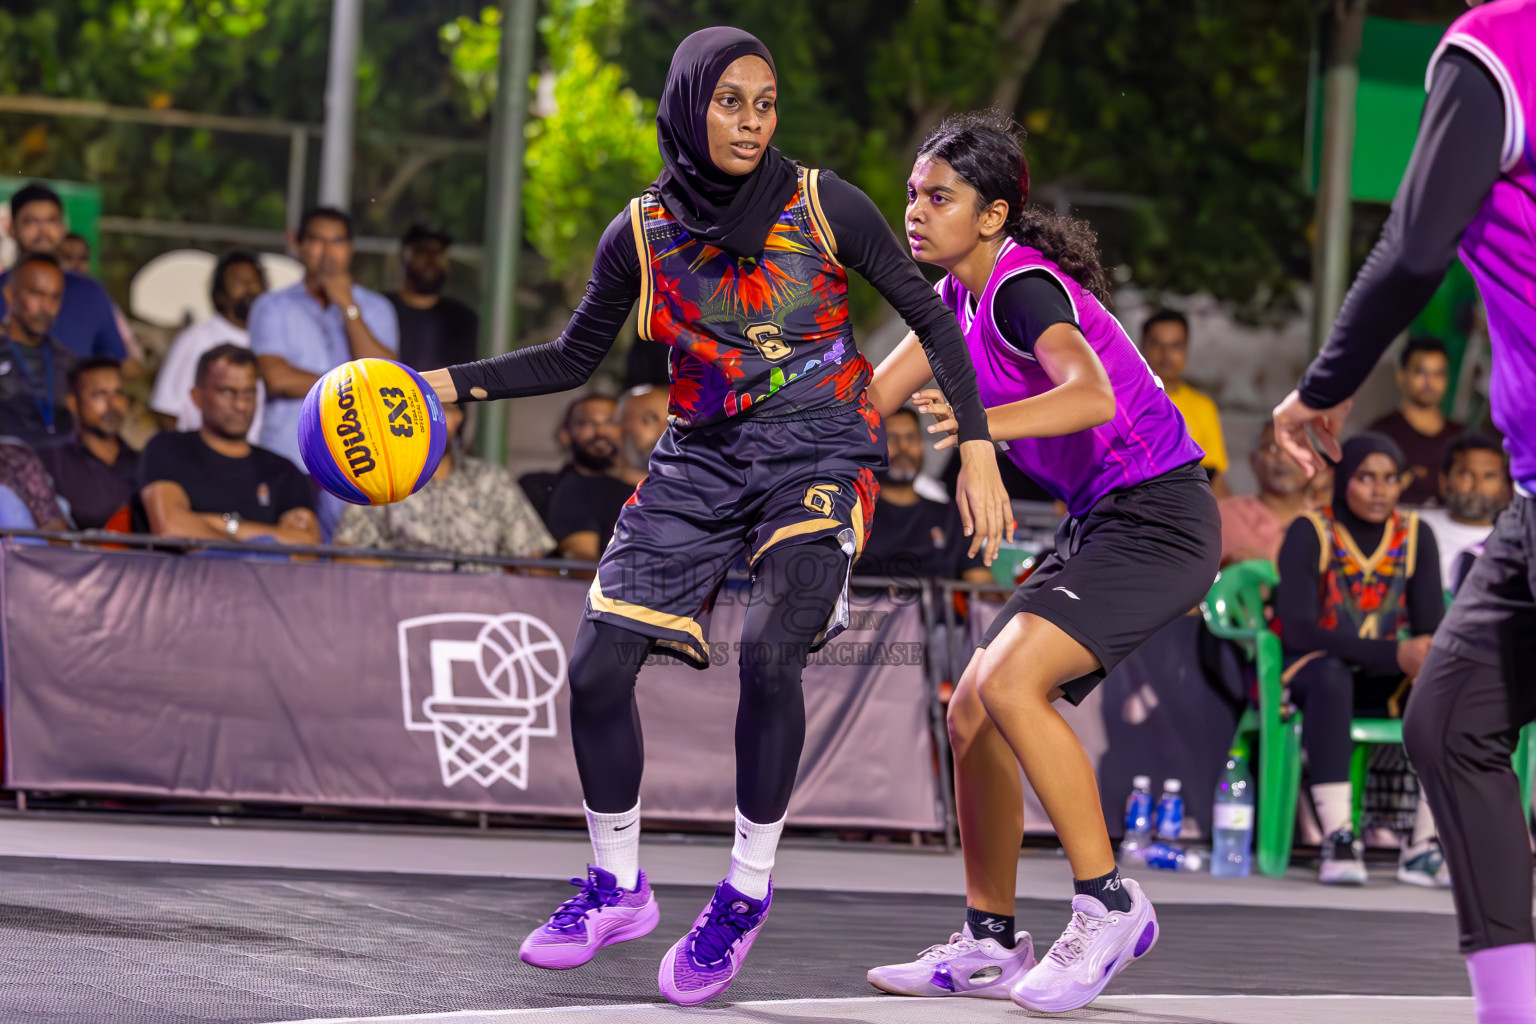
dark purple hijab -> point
(731, 212)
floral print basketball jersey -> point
(770, 332)
(1366, 593)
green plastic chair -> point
(1234, 610)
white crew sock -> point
(1335, 806)
(616, 843)
(1423, 823)
(752, 855)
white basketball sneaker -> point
(963, 966)
(1097, 945)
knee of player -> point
(770, 672)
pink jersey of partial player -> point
(1499, 246)
(1146, 438)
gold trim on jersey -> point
(643, 252)
(818, 218)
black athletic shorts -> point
(1493, 619)
(1139, 559)
(717, 493)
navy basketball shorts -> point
(1138, 560)
(721, 492)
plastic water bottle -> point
(1170, 811)
(1232, 821)
(1138, 816)
(1164, 857)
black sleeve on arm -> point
(1028, 305)
(571, 359)
(1426, 590)
(866, 245)
(1455, 162)
(1299, 608)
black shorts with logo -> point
(716, 493)
(1139, 559)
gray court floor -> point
(145, 943)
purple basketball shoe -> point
(1097, 945)
(601, 914)
(703, 963)
(964, 966)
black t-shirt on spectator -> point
(24, 392)
(259, 488)
(579, 503)
(1423, 454)
(445, 335)
(921, 541)
(95, 491)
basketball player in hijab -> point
(739, 259)
(1470, 184)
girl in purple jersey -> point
(1079, 411)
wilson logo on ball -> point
(372, 432)
(350, 430)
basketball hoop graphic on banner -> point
(483, 685)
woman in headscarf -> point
(1359, 598)
(739, 259)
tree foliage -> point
(592, 145)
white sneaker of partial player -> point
(1424, 865)
(963, 966)
(1343, 860)
(1097, 945)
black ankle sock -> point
(1107, 890)
(998, 927)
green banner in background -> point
(82, 209)
(1393, 58)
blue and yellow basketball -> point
(372, 431)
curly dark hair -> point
(986, 149)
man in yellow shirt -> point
(1165, 346)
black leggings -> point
(794, 591)
(1330, 694)
(1461, 729)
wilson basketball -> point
(372, 431)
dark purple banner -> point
(129, 672)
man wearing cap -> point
(435, 329)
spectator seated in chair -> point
(469, 507)
(237, 282)
(23, 475)
(1358, 602)
(34, 367)
(1474, 488)
(643, 419)
(1417, 425)
(1252, 526)
(94, 469)
(914, 537)
(581, 501)
(1165, 346)
(212, 483)
(86, 322)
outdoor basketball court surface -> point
(140, 923)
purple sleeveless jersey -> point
(1499, 246)
(1146, 438)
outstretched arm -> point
(1455, 162)
(571, 359)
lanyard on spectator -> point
(44, 405)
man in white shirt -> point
(237, 281)
(1474, 488)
